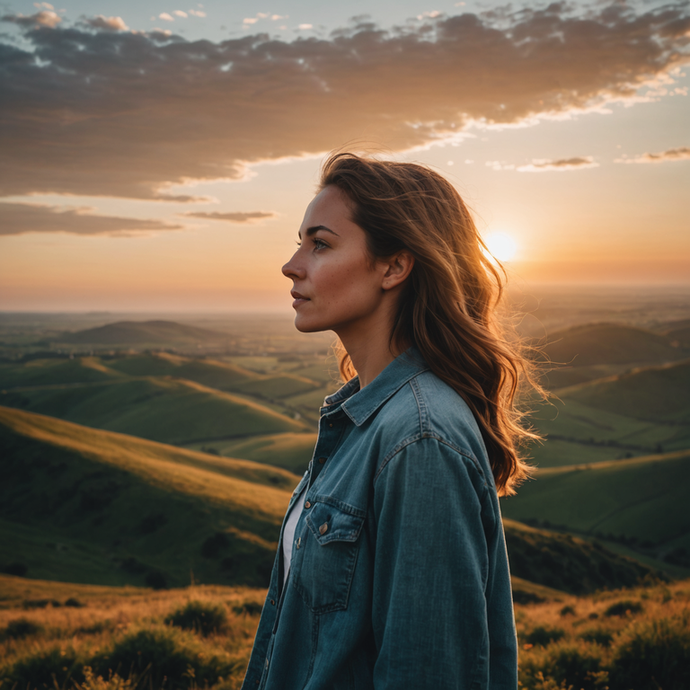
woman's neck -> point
(371, 351)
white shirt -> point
(289, 532)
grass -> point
(129, 632)
(291, 451)
(160, 409)
(124, 631)
(88, 505)
(640, 501)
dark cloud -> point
(232, 217)
(127, 114)
(559, 165)
(18, 219)
(679, 154)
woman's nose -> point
(292, 269)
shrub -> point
(544, 636)
(623, 608)
(200, 617)
(655, 655)
(162, 655)
(20, 628)
(94, 682)
(568, 611)
(248, 607)
(597, 636)
(74, 603)
(579, 666)
(48, 668)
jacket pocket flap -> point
(328, 524)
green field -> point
(640, 502)
(86, 505)
(291, 451)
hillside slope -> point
(84, 505)
(641, 502)
(142, 332)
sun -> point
(501, 245)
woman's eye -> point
(319, 244)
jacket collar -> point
(359, 405)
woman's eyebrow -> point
(316, 228)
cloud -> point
(18, 219)
(128, 115)
(542, 165)
(180, 13)
(166, 17)
(106, 23)
(197, 13)
(680, 154)
(232, 217)
(305, 26)
(46, 18)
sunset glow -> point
(127, 184)
(501, 246)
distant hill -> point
(566, 563)
(640, 502)
(84, 505)
(658, 394)
(140, 333)
(583, 353)
(161, 409)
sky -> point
(159, 156)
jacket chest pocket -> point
(325, 557)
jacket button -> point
(330, 426)
(322, 460)
(273, 602)
(307, 505)
(324, 528)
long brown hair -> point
(447, 308)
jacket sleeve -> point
(433, 520)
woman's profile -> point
(392, 570)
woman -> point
(392, 569)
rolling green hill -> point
(593, 351)
(140, 333)
(609, 343)
(640, 502)
(643, 411)
(291, 451)
(655, 394)
(83, 505)
(161, 409)
(53, 372)
(566, 563)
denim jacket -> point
(399, 574)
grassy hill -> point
(592, 351)
(643, 411)
(656, 394)
(291, 451)
(161, 409)
(640, 502)
(53, 372)
(84, 505)
(140, 333)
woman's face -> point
(335, 284)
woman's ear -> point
(398, 268)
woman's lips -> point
(299, 299)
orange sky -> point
(144, 171)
